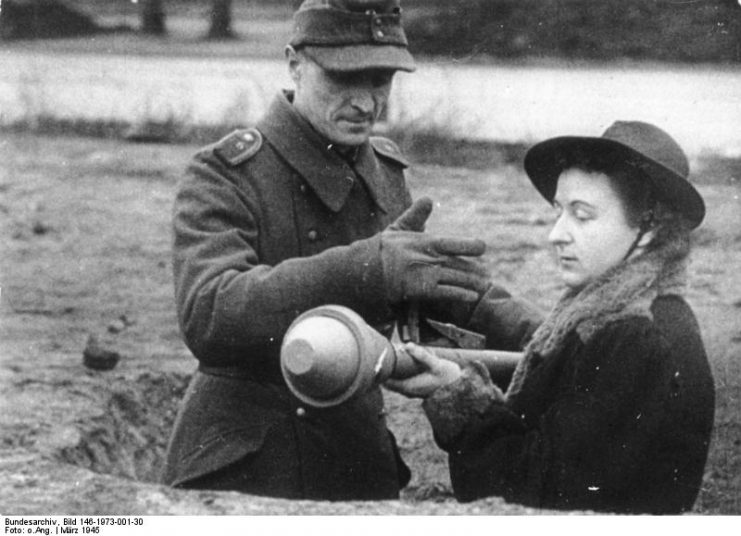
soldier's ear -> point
(294, 63)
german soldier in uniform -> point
(304, 210)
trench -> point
(129, 437)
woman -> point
(612, 406)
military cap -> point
(351, 35)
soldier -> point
(304, 210)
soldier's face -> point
(341, 105)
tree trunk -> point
(152, 17)
(221, 20)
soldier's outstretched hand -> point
(418, 266)
(415, 217)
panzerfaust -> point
(329, 354)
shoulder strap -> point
(386, 147)
(239, 146)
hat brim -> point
(545, 162)
(361, 57)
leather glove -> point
(415, 217)
(418, 266)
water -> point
(700, 107)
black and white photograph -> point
(321, 259)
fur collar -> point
(626, 290)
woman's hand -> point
(435, 373)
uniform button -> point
(349, 179)
(302, 188)
(300, 412)
(239, 145)
(312, 235)
(379, 33)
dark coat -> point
(271, 222)
(621, 423)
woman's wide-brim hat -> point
(628, 145)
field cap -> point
(625, 144)
(352, 35)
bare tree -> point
(221, 20)
(152, 17)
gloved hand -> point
(413, 218)
(418, 266)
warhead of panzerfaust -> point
(329, 355)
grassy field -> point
(84, 234)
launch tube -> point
(329, 354)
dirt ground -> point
(84, 252)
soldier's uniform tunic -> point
(268, 223)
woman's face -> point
(591, 234)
